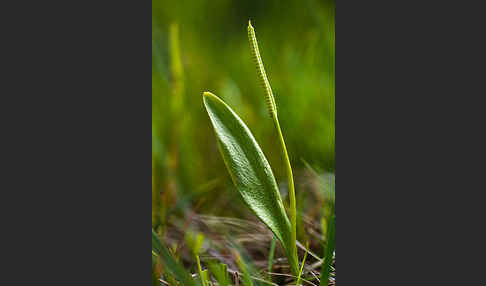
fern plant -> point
(248, 167)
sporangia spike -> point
(272, 109)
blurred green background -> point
(209, 38)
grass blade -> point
(302, 266)
(170, 263)
(244, 269)
(272, 253)
(220, 273)
(329, 250)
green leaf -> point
(156, 244)
(246, 279)
(250, 171)
(170, 263)
(194, 241)
(203, 275)
(220, 272)
(302, 264)
(270, 256)
(328, 252)
(155, 277)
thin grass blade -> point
(170, 263)
(220, 273)
(329, 251)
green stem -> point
(272, 253)
(290, 180)
(199, 268)
(272, 108)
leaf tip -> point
(207, 93)
(210, 96)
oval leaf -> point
(249, 170)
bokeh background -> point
(203, 46)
